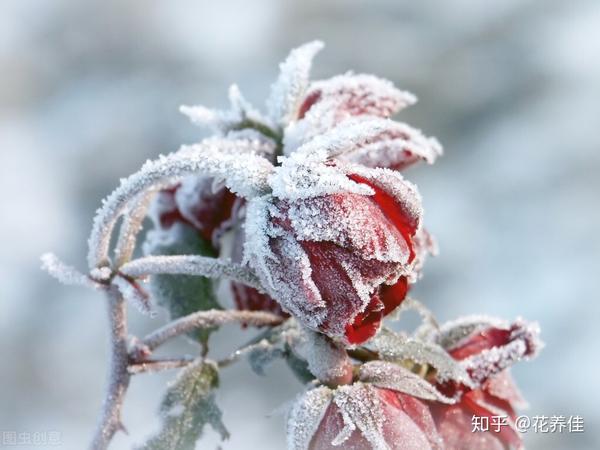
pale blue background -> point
(89, 90)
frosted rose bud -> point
(486, 352)
(360, 417)
(339, 262)
(196, 202)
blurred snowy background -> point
(89, 90)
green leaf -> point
(188, 405)
(183, 294)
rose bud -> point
(195, 202)
(355, 98)
(486, 351)
(336, 251)
(360, 417)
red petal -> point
(365, 324)
(394, 212)
(309, 101)
(476, 343)
(249, 299)
(393, 296)
(506, 434)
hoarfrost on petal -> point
(524, 344)
(305, 416)
(452, 333)
(392, 376)
(361, 409)
(357, 94)
(289, 88)
(343, 219)
(305, 176)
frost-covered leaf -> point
(393, 346)
(188, 406)
(182, 294)
(241, 115)
(236, 162)
(305, 416)
(278, 342)
(262, 355)
(392, 376)
(288, 90)
(298, 365)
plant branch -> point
(209, 318)
(157, 365)
(118, 376)
(191, 265)
(130, 227)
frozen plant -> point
(304, 212)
